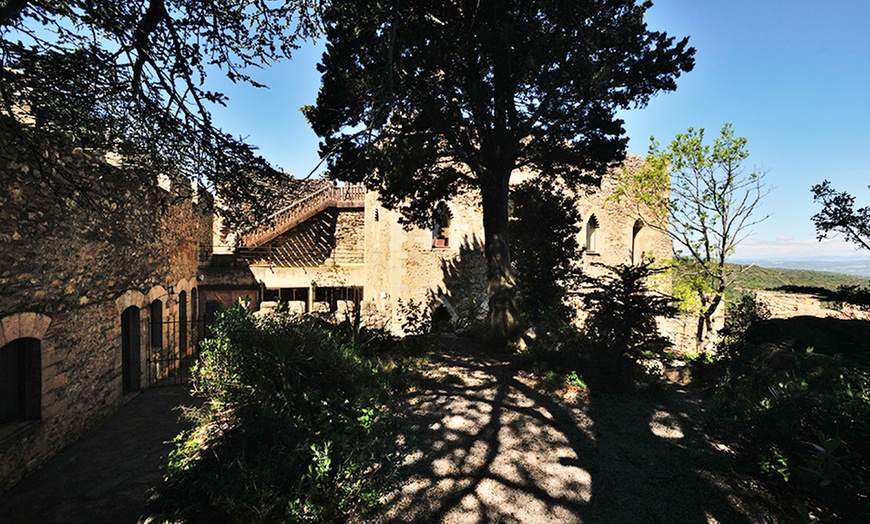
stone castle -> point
(106, 295)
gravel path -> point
(484, 443)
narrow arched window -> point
(182, 322)
(636, 248)
(591, 234)
(194, 316)
(156, 311)
(440, 225)
(130, 354)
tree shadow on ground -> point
(482, 443)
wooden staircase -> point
(347, 196)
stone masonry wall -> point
(75, 259)
(618, 239)
(403, 265)
(349, 237)
(787, 305)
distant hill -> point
(857, 265)
(756, 277)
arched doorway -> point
(20, 381)
(182, 323)
(130, 350)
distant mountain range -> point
(847, 266)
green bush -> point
(621, 327)
(291, 430)
(801, 414)
(545, 251)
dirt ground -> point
(484, 443)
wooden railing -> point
(303, 209)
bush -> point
(291, 430)
(802, 415)
(545, 251)
(621, 327)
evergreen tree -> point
(421, 99)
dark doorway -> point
(194, 317)
(182, 323)
(157, 325)
(20, 381)
(130, 349)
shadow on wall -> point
(462, 300)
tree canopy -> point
(129, 78)
(839, 215)
(423, 99)
(705, 198)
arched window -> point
(636, 248)
(156, 311)
(591, 234)
(440, 225)
(20, 381)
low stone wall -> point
(787, 305)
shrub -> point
(544, 250)
(621, 326)
(801, 414)
(291, 430)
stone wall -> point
(406, 268)
(349, 238)
(787, 305)
(403, 264)
(622, 237)
(75, 257)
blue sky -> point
(791, 76)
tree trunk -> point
(705, 320)
(501, 288)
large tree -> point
(129, 77)
(421, 99)
(704, 196)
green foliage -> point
(130, 78)
(292, 430)
(711, 206)
(416, 317)
(801, 413)
(755, 277)
(739, 318)
(621, 327)
(573, 379)
(839, 215)
(690, 285)
(545, 251)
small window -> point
(440, 225)
(591, 234)
(20, 381)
